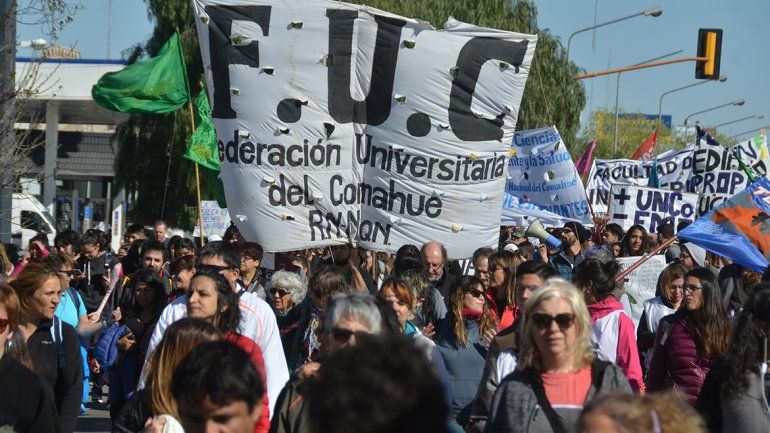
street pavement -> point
(96, 419)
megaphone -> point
(536, 230)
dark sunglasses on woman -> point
(543, 321)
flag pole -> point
(197, 178)
(192, 126)
(644, 258)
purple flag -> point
(584, 164)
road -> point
(96, 419)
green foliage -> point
(141, 162)
(632, 131)
(545, 100)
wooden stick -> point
(642, 66)
(197, 180)
(644, 258)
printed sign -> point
(640, 285)
(541, 172)
(215, 219)
(710, 171)
(650, 207)
(341, 123)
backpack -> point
(106, 349)
(58, 341)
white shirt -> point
(257, 322)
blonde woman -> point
(655, 413)
(557, 372)
(460, 344)
(180, 338)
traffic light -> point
(710, 47)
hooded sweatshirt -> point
(613, 338)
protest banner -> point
(541, 172)
(640, 285)
(710, 171)
(341, 123)
(215, 220)
(517, 212)
(649, 207)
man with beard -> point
(434, 260)
(481, 264)
(571, 253)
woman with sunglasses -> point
(25, 403)
(57, 360)
(502, 286)
(558, 372)
(211, 298)
(286, 294)
(460, 343)
(612, 331)
(670, 285)
(689, 341)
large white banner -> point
(517, 212)
(541, 172)
(711, 171)
(650, 207)
(339, 122)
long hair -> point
(708, 324)
(31, 278)
(600, 275)
(6, 266)
(180, 338)
(625, 244)
(509, 262)
(151, 279)
(228, 315)
(582, 355)
(672, 272)
(745, 351)
(16, 348)
(456, 317)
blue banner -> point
(738, 229)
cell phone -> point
(76, 273)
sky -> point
(745, 58)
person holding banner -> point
(635, 243)
(612, 335)
(688, 342)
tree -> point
(632, 131)
(145, 141)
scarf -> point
(472, 314)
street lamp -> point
(652, 12)
(748, 132)
(734, 103)
(617, 97)
(35, 44)
(756, 116)
(722, 79)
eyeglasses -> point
(3, 325)
(246, 258)
(691, 288)
(342, 336)
(475, 293)
(281, 292)
(543, 321)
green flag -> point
(154, 86)
(203, 143)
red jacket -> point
(508, 315)
(675, 359)
(248, 345)
(619, 333)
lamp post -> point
(722, 79)
(756, 116)
(617, 97)
(734, 103)
(748, 132)
(652, 12)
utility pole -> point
(7, 112)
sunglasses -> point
(342, 336)
(3, 325)
(476, 293)
(543, 321)
(281, 292)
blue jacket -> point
(465, 366)
(563, 266)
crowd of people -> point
(340, 339)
